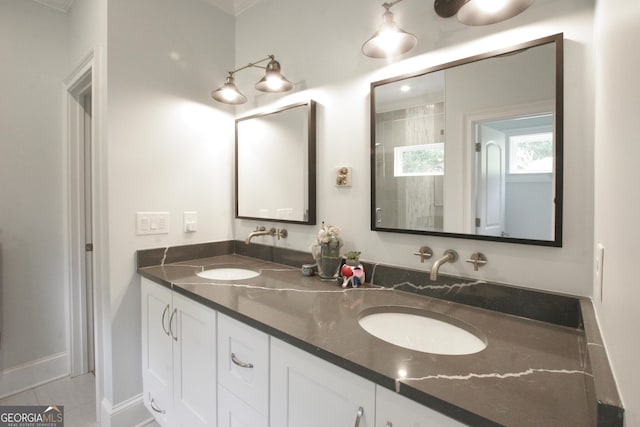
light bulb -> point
(389, 40)
(491, 6)
(274, 83)
(229, 94)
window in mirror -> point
(531, 153)
(419, 160)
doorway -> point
(80, 131)
(514, 176)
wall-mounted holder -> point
(478, 260)
(343, 176)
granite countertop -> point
(531, 373)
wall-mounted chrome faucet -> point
(262, 231)
(424, 252)
(478, 260)
(449, 256)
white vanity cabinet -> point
(157, 359)
(308, 391)
(395, 410)
(202, 368)
(178, 358)
(243, 374)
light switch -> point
(152, 223)
(190, 224)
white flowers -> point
(329, 234)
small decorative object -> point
(352, 258)
(326, 251)
(343, 177)
(309, 269)
(352, 275)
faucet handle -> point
(478, 260)
(282, 233)
(424, 252)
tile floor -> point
(76, 394)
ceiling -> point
(232, 7)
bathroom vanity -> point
(282, 349)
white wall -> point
(318, 45)
(32, 289)
(169, 147)
(616, 195)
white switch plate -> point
(599, 281)
(152, 223)
(190, 224)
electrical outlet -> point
(190, 222)
(599, 276)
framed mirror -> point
(275, 155)
(472, 149)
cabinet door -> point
(395, 410)
(233, 412)
(193, 331)
(310, 392)
(157, 363)
(243, 362)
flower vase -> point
(330, 259)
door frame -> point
(79, 84)
(85, 77)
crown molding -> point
(233, 7)
(59, 5)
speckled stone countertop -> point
(532, 373)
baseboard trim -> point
(130, 412)
(34, 373)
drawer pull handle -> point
(153, 406)
(239, 362)
(164, 314)
(359, 415)
(175, 337)
(388, 424)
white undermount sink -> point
(228, 273)
(422, 330)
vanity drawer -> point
(243, 362)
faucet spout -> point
(259, 231)
(262, 231)
(449, 256)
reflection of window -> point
(531, 153)
(419, 160)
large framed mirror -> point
(275, 154)
(472, 149)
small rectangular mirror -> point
(276, 165)
(472, 149)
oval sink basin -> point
(422, 330)
(228, 273)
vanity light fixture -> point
(272, 82)
(390, 40)
(481, 12)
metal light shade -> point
(485, 12)
(273, 80)
(228, 93)
(389, 40)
